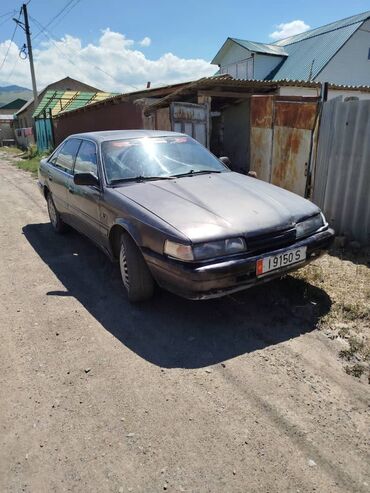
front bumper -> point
(218, 278)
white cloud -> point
(145, 41)
(289, 29)
(112, 64)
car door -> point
(84, 201)
(60, 174)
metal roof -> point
(333, 26)
(268, 49)
(253, 46)
(55, 102)
(305, 54)
(309, 52)
(173, 91)
(226, 82)
(310, 55)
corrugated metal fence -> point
(342, 172)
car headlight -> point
(310, 225)
(220, 248)
(178, 250)
(203, 251)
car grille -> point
(271, 241)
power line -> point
(11, 12)
(66, 13)
(53, 19)
(50, 36)
(10, 43)
(7, 19)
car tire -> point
(136, 276)
(56, 221)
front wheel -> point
(136, 276)
(54, 216)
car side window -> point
(86, 160)
(67, 155)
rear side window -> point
(86, 160)
(65, 158)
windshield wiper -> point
(139, 179)
(199, 172)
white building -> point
(338, 53)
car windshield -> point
(157, 158)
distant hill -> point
(13, 88)
(9, 93)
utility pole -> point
(26, 28)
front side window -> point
(66, 156)
(163, 157)
(86, 160)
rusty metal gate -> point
(191, 119)
(281, 139)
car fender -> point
(126, 225)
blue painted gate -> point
(44, 134)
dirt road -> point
(241, 394)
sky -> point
(120, 45)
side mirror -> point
(225, 160)
(86, 179)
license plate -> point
(274, 262)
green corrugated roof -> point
(62, 101)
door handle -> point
(50, 178)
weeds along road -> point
(240, 394)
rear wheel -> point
(136, 276)
(55, 219)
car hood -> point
(204, 207)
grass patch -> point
(354, 346)
(346, 279)
(356, 370)
(354, 311)
(11, 150)
(31, 165)
(28, 160)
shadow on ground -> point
(358, 256)
(169, 331)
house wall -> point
(6, 111)
(238, 62)
(234, 54)
(264, 64)
(259, 65)
(25, 117)
(6, 131)
(315, 91)
(351, 65)
(236, 129)
(121, 116)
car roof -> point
(124, 134)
